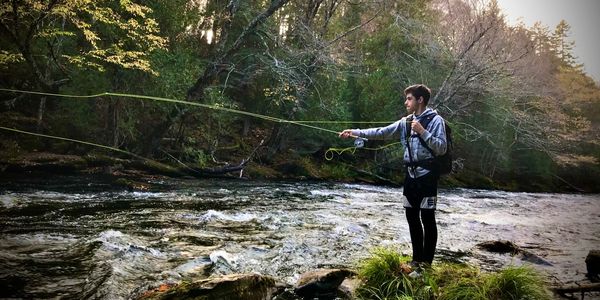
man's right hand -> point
(347, 133)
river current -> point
(78, 238)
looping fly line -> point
(329, 154)
(359, 142)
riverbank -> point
(385, 275)
(134, 173)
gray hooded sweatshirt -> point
(434, 136)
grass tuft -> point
(515, 283)
(383, 279)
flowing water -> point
(81, 238)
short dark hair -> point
(419, 90)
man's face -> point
(411, 103)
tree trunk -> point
(592, 287)
(115, 123)
(40, 115)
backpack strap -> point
(408, 136)
(425, 123)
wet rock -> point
(322, 283)
(228, 287)
(592, 262)
(131, 185)
(510, 247)
(534, 259)
(349, 286)
(455, 256)
(499, 247)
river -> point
(77, 237)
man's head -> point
(417, 97)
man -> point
(420, 184)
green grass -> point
(383, 279)
(517, 283)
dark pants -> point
(423, 233)
(421, 222)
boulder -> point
(592, 262)
(228, 287)
(499, 247)
(322, 283)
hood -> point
(427, 112)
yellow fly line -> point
(339, 151)
(77, 141)
(328, 154)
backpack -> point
(443, 163)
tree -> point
(563, 48)
(52, 39)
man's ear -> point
(420, 99)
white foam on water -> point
(193, 266)
(215, 256)
(8, 200)
(213, 215)
(326, 193)
(116, 241)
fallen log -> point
(225, 169)
(593, 287)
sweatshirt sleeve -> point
(436, 138)
(391, 131)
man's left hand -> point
(417, 127)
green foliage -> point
(535, 165)
(197, 156)
(335, 171)
(87, 34)
(177, 69)
(383, 279)
(78, 120)
(515, 283)
(380, 91)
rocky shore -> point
(317, 284)
(340, 283)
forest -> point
(524, 114)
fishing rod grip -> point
(352, 136)
(358, 137)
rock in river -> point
(228, 287)
(322, 283)
(592, 262)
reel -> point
(359, 142)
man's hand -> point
(417, 127)
(346, 134)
